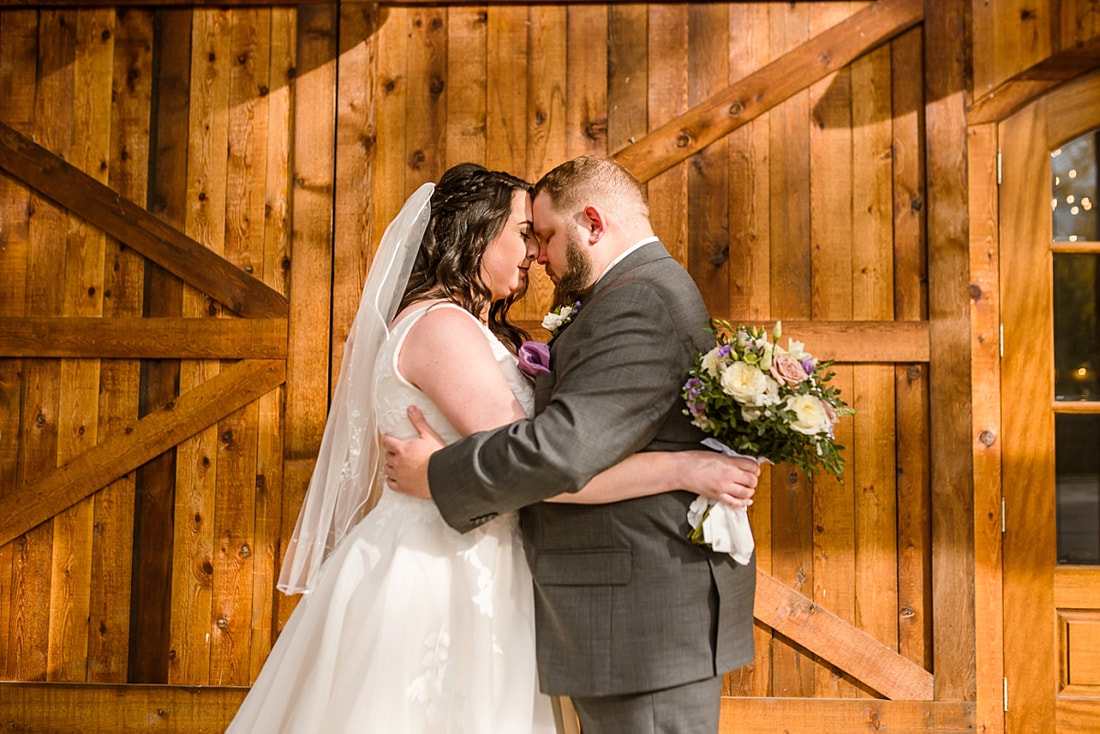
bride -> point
(406, 626)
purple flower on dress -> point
(534, 358)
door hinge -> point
(1006, 693)
(1002, 515)
(998, 166)
(1001, 339)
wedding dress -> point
(411, 628)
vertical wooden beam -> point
(467, 29)
(314, 167)
(911, 380)
(708, 170)
(586, 81)
(546, 130)
(426, 112)
(269, 460)
(832, 179)
(750, 281)
(946, 33)
(150, 634)
(506, 92)
(789, 225)
(985, 319)
(18, 60)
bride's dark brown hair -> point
(470, 207)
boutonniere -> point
(557, 319)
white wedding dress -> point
(411, 628)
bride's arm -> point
(731, 481)
(447, 357)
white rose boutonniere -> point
(557, 319)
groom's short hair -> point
(588, 179)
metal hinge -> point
(1002, 515)
(1006, 693)
(998, 166)
(1001, 339)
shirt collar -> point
(624, 253)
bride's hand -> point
(729, 480)
(407, 461)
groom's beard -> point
(574, 283)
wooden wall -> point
(283, 139)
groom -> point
(633, 622)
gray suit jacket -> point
(624, 602)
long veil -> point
(349, 463)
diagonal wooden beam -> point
(44, 497)
(129, 223)
(849, 648)
(1007, 98)
(754, 95)
(143, 338)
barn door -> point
(1050, 393)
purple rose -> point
(534, 358)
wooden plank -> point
(817, 629)
(83, 289)
(985, 319)
(314, 171)
(873, 443)
(467, 50)
(43, 497)
(911, 380)
(47, 232)
(838, 716)
(789, 226)
(1012, 94)
(269, 459)
(708, 171)
(193, 539)
(586, 81)
(506, 91)
(843, 341)
(426, 112)
(831, 245)
(750, 279)
(1029, 542)
(949, 336)
(155, 481)
(73, 189)
(546, 131)
(64, 707)
(390, 109)
(148, 338)
(19, 41)
(233, 521)
(627, 75)
(668, 97)
(788, 74)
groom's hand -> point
(407, 461)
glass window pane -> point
(1076, 342)
(1074, 199)
(1077, 477)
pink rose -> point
(787, 370)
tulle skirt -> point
(412, 628)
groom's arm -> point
(630, 355)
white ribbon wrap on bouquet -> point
(726, 529)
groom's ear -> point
(596, 224)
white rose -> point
(552, 321)
(710, 362)
(810, 415)
(746, 384)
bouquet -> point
(759, 400)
